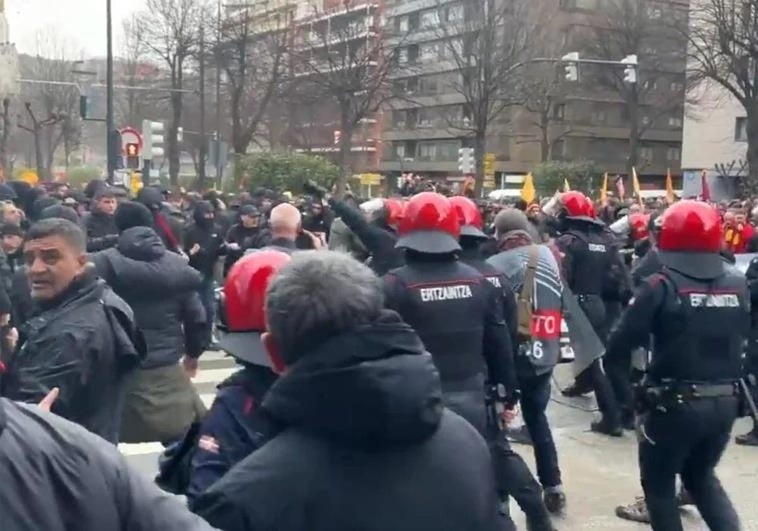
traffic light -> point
(466, 163)
(630, 69)
(132, 151)
(571, 66)
(152, 137)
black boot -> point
(748, 439)
(606, 428)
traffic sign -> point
(489, 164)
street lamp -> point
(109, 118)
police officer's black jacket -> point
(364, 414)
(588, 257)
(56, 476)
(698, 322)
(84, 342)
(102, 232)
(161, 289)
(378, 241)
(245, 237)
(646, 266)
(457, 314)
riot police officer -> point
(459, 318)
(697, 311)
(588, 263)
(235, 426)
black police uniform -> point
(587, 264)
(697, 311)
(459, 317)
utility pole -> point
(218, 98)
(110, 125)
(203, 139)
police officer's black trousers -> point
(512, 475)
(593, 376)
(689, 440)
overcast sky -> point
(78, 23)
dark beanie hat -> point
(132, 214)
(93, 187)
(40, 204)
(11, 229)
(7, 193)
(59, 211)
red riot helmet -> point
(242, 305)
(577, 205)
(470, 217)
(394, 208)
(430, 225)
(638, 223)
(690, 226)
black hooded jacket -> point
(101, 231)
(367, 445)
(161, 289)
(167, 227)
(206, 235)
(84, 343)
(58, 477)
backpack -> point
(525, 297)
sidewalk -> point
(600, 472)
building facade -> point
(584, 121)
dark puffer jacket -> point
(58, 477)
(161, 289)
(367, 445)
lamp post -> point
(109, 118)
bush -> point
(80, 176)
(286, 171)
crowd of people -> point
(384, 348)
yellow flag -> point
(604, 190)
(566, 187)
(636, 183)
(669, 187)
(528, 192)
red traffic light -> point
(132, 150)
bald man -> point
(284, 227)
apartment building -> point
(330, 39)
(588, 121)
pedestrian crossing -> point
(213, 368)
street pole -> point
(109, 118)
(218, 97)
(203, 139)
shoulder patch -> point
(208, 444)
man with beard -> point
(203, 244)
(365, 441)
(243, 235)
(81, 338)
(100, 223)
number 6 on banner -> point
(537, 350)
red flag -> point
(706, 191)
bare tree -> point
(253, 56)
(345, 62)
(488, 43)
(653, 32)
(723, 51)
(7, 127)
(36, 128)
(58, 99)
(133, 105)
(170, 31)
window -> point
(579, 4)
(598, 117)
(398, 149)
(427, 151)
(398, 118)
(402, 24)
(645, 120)
(559, 111)
(646, 153)
(675, 122)
(429, 19)
(429, 52)
(448, 150)
(654, 12)
(676, 87)
(429, 85)
(402, 56)
(451, 49)
(411, 85)
(426, 117)
(673, 154)
(454, 13)
(740, 129)
(650, 84)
